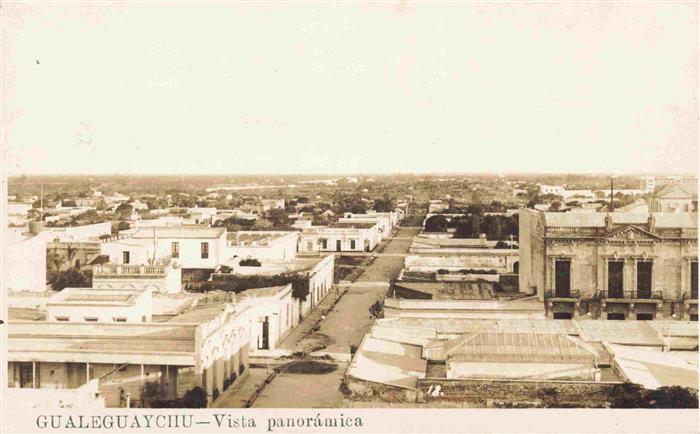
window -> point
(143, 318)
(694, 280)
(324, 243)
(90, 319)
(616, 316)
(562, 278)
(615, 279)
(175, 249)
(125, 257)
(62, 318)
(644, 279)
(562, 315)
(645, 317)
(119, 319)
(352, 244)
(309, 246)
(205, 250)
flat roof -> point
(261, 239)
(653, 369)
(597, 219)
(199, 314)
(354, 225)
(91, 296)
(177, 232)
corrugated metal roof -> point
(521, 347)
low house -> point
(206, 346)
(340, 237)
(313, 274)
(676, 197)
(275, 315)
(272, 245)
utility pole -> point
(611, 194)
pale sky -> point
(243, 88)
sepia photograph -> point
(335, 216)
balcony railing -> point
(632, 295)
(573, 294)
(128, 270)
(687, 296)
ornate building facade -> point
(611, 266)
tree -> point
(195, 398)
(123, 211)
(71, 278)
(384, 204)
(278, 217)
(555, 206)
(436, 223)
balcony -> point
(689, 298)
(117, 270)
(573, 295)
(633, 296)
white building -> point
(552, 189)
(100, 305)
(24, 252)
(190, 247)
(268, 204)
(275, 315)
(340, 237)
(17, 213)
(263, 245)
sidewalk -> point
(290, 342)
(238, 395)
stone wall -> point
(362, 390)
(583, 393)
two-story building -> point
(190, 247)
(611, 265)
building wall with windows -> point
(190, 247)
(616, 266)
(339, 239)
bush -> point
(71, 278)
(250, 263)
(443, 271)
(436, 223)
(629, 395)
(195, 398)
